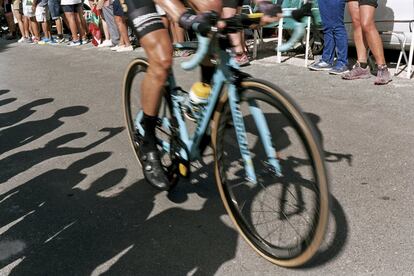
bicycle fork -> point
(264, 133)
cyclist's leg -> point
(154, 38)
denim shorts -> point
(118, 11)
(373, 3)
(54, 9)
(72, 8)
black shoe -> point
(153, 171)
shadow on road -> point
(24, 133)
(4, 91)
(65, 230)
(68, 231)
(13, 117)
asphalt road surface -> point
(73, 201)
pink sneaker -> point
(357, 72)
(383, 76)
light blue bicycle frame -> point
(222, 77)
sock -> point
(149, 123)
(363, 65)
(207, 73)
(382, 66)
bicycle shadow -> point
(68, 231)
(294, 182)
(24, 133)
(13, 117)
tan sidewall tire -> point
(319, 165)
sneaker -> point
(383, 76)
(74, 43)
(44, 41)
(357, 72)
(21, 40)
(242, 59)
(116, 47)
(125, 49)
(27, 40)
(339, 70)
(60, 39)
(106, 43)
(320, 66)
(35, 40)
(85, 41)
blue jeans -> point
(334, 32)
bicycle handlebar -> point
(240, 22)
(202, 50)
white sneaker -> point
(21, 39)
(125, 49)
(115, 48)
(106, 43)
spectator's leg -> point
(371, 34)
(123, 31)
(328, 21)
(79, 23)
(10, 22)
(108, 14)
(35, 28)
(360, 44)
(71, 18)
(105, 29)
(19, 18)
(83, 27)
(341, 37)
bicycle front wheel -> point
(284, 215)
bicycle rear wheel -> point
(131, 92)
(283, 217)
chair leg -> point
(402, 54)
(307, 42)
(279, 41)
(410, 59)
(255, 41)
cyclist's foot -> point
(152, 168)
(357, 72)
(383, 75)
(320, 66)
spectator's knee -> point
(367, 26)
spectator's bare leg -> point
(83, 27)
(71, 18)
(360, 44)
(59, 26)
(371, 34)
(105, 29)
(123, 31)
(19, 19)
(35, 27)
(10, 22)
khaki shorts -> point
(17, 5)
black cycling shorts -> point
(143, 17)
(232, 3)
(373, 3)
